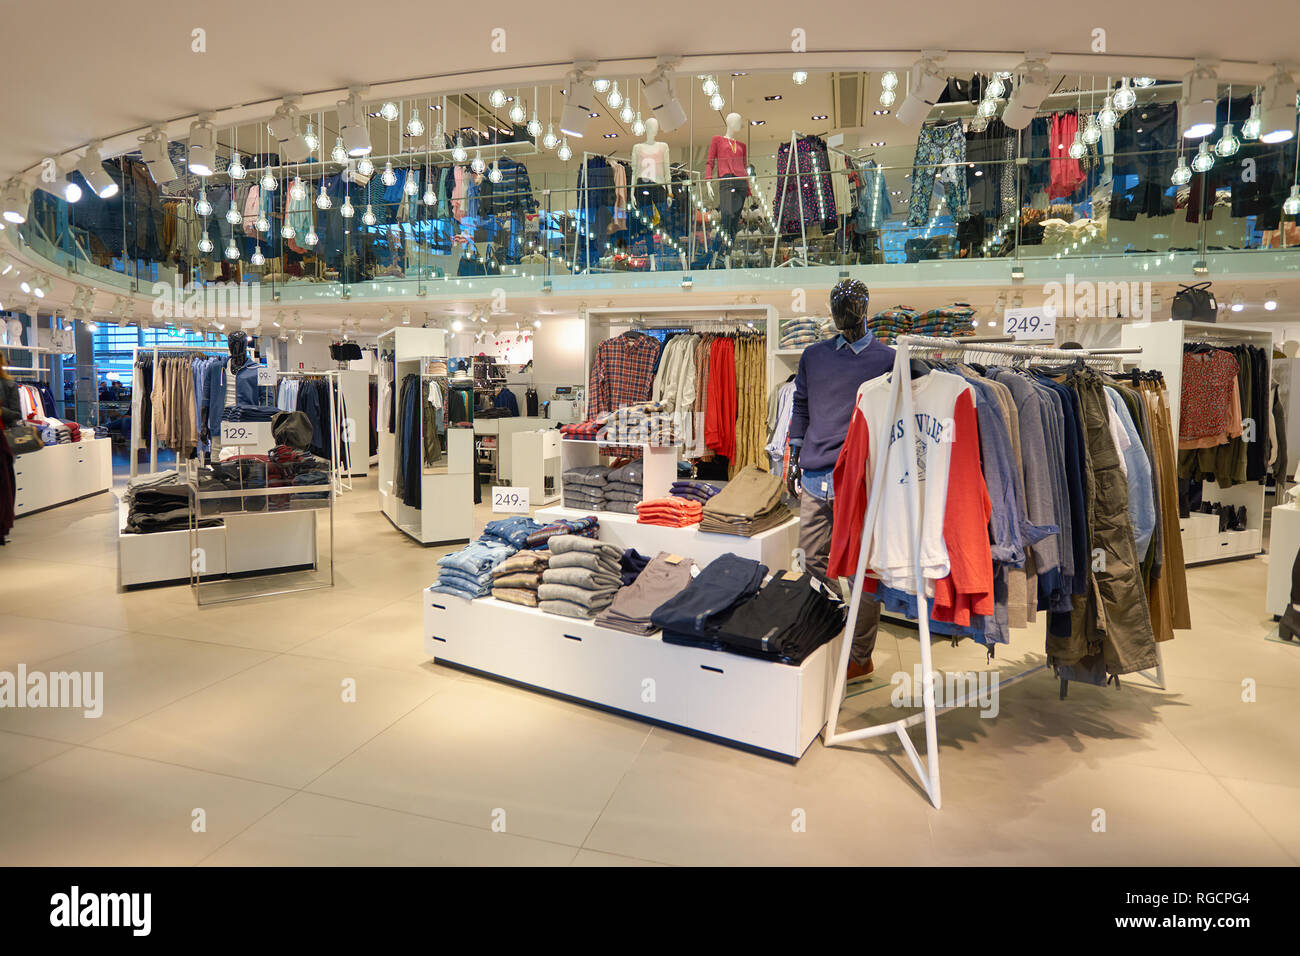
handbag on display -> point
(23, 439)
(1194, 303)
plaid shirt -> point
(622, 373)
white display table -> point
(58, 474)
(770, 707)
(772, 547)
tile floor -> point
(234, 715)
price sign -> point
(510, 500)
(1039, 323)
(265, 375)
(238, 433)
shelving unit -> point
(58, 474)
(1162, 350)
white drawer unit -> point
(1203, 541)
(58, 474)
(760, 705)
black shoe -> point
(1288, 628)
(1239, 523)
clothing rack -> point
(900, 404)
(137, 397)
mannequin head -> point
(651, 129)
(733, 124)
(237, 342)
(849, 301)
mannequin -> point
(825, 390)
(232, 382)
(728, 162)
(651, 177)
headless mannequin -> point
(724, 153)
(650, 179)
(237, 344)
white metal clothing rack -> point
(900, 402)
(338, 416)
(137, 399)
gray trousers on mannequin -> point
(815, 521)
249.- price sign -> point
(1037, 323)
(509, 500)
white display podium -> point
(772, 547)
(760, 705)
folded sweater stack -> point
(951, 320)
(517, 578)
(891, 323)
(587, 527)
(799, 332)
(662, 579)
(584, 487)
(581, 577)
(669, 512)
(644, 422)
(700, 491)
(623, 489)
(468, 573)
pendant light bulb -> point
(365, 166)
(889, 80)
(288, 231)
(389, 111)
(1292, 205)
(205, 244)
(564, 152)
(202, 207)
(494, 174)
(615, 99)
(988, 108)
(638, 126)
(412, 185)
(430, 198)
(459, 154)
(263, 224)
(497, 98)
(310, 138)
(1108, 116)
(415, 125)
(233, 216)
(995, 89)
(311, 238)
(368, 217)
(323, 200)
(534, 126)
(267, 181)
(887, 98)
(1125, 98)
(236, 168)
(257, 259)
(1228, 143)
(297, 192)
(232, 251)
(389, 176)
(800, 77)
(347, 210)
(1092, 131)
(710, 86)
(550, 140)
(1077, 148)
(339, 154)
(478, 166)
(517, 114)
(1203, 162)
(1250, 128)
(628, 114)
(716, 102)
(1182, 173)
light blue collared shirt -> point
(819, 483)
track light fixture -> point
(1033, 86)
(579, 102)
(1278, 108)
(1270, 300)
(928, 81)
(153, 148)
(203, 147)
(92, 171)
(1196, 108)
(294, 145)
(17, 198)
(352, 117)
(664, 105)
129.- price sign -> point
(1039, 323)
(238, 433)
(509, 500)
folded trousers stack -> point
(693, 616)
(751, 502)
(663, 578)
(517, 578)
(581, 577)
(786, 621)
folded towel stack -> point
(468, 573)
(581, 577)
(517, 578)
(584, 487)
(669, 512)
(662, 579)
(587, 527)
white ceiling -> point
(95, 69)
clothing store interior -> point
(652, 443)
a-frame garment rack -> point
(900, 404)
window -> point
(113, 347)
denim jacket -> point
(214, 390)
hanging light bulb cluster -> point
(709, 84)
(888, 88)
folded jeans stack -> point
(512, 531)
(669, 512)
(517, 578)
(700, 491)
(581, 577)
(786, 621)
(584, 487)
(468, 573)
(751, 502)
(249, 413)
(666, 576)
(587, 527)
(692, 616)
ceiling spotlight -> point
(800, 77)
(1270, 300)
(1196, 109)
(537, 323)
(15, 202)
(664, 105)
(62, 188)
(457, 325)
(153, 148)
(1238, 301)
(579, 103)
(294, 145)
(1278, 108)
(352, 118)
(203, 147)
(389, 111)
(92, 171)
(928, 81)
(1029, 93)
(1142, 82)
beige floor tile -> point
(31, 639)
(283, 721)
(477, 749)
(89, 808)
(1274, 806)
(18, 752)
(596, 858)
(393, 637)
(141, 673)
(312, 830)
